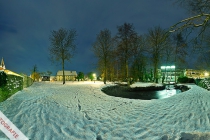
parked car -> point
(45, 78)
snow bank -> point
(79, 110)
(141, 84)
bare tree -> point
(103, 49)
(157, 42)
(62, 46)
(139, 58)
(49, 73)
(195, 7)
(175, 50)
(168, 53)
(204, 53)
(196, 25)
(199, 16)
(203, 61)
(126, 35)
(34, 75)
(180, 49)
(190, 23)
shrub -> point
(4, 94)
(185, 79)
(13, 85)
(197, 81)
(205, 83)
(3, 79)
(27, 81)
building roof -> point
(9, 72)
(1, 69)
(67, 73)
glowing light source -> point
(172, 67)
(167, 67)
(94, 77)
(163, 67)
(206, 74)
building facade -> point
(69, 75)
(196, 74)
(170, 74)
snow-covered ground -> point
(80, 110)
(141, 84)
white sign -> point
(9, 129)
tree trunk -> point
(105, 77)
(155, 73)
(126, 69)
(105, 72)
(63, 71)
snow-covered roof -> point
(9, 72)
(1, 69)
(67, 73)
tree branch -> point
(191, 22)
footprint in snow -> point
(86, 116)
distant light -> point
(94, 77)
(167, 67)
(163, 67)
(172, 67)
(206, 74)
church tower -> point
(2, 64)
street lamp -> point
(94, 77)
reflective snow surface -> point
(80, 110)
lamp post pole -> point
(94, 77)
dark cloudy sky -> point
(25, 27)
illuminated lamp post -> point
(94, 77)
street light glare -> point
(206, 74)
(163, 67)
(167, 67)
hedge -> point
(27, 81)
(184, 79)
(13, 84)
(10, 84)
(205, 83)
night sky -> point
(25, 27)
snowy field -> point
(80, 111)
